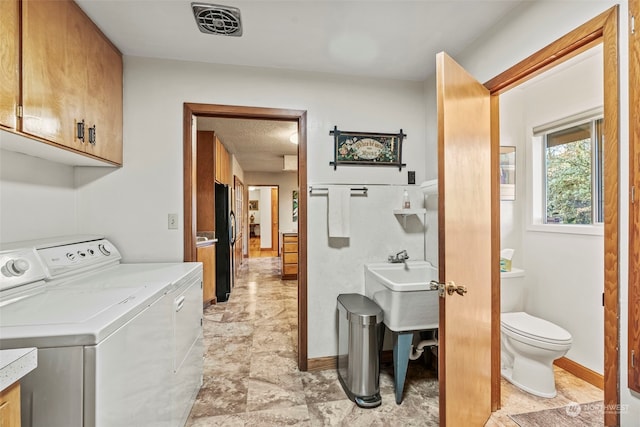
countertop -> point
(15, 364)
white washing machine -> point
(118, 344)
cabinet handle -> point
(92, 135)
(80, 130)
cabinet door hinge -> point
(633, 194)
(633, 358)
(19, 111)
(633, 24)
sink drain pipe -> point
(419, 349)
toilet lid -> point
(534, 328)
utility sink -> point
(404, 293)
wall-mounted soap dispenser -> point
(406, 202)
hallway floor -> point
(251, 376)
(256, 252)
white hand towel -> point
(338, 211)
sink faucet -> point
(401, 256)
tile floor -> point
(251, 376)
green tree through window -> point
(573, 170)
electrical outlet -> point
(173, 221)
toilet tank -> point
(512, 290)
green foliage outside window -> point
(569, 192)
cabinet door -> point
(10, 405)
(104, 98)
(54, 70)
(207, 256)
(9, 61)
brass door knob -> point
(449, 287)
(452, 287)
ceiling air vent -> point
(216, 19)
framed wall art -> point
(507, 173)
(367, 148)
(295, 205)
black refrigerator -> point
(225, 233)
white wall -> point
(131, 204)
(509, 43)
(336, 265)
(265, 217)
(37, 198)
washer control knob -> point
(16, 267)
(105, 251)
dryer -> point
(118, 344)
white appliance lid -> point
(534, 327)
(87, 309)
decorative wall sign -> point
(295, 205)
(366, 148)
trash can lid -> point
(360, 309)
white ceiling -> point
(393, 39)
(259, 145)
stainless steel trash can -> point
(360, 337)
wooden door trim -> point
(188, 150)
(240, 219)
(633, 335)
(601, 29)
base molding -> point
(331, 362)
(322, 363)
(581, 372)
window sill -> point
(593, 230)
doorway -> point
(457, 398)
(191, 110)
(600, 30)
(264, 221)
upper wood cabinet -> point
(223, 163)
(9, 62)
(71, 80)
(205, 180)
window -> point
(573, 172)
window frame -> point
(537, 176)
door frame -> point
(273, 227)
(601, 29)
(190, 110)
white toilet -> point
(529, 345)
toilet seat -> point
(534, 328)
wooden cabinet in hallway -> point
(289, 255)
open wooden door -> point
(464, 221)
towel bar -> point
(312, 189)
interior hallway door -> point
(464, 222)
